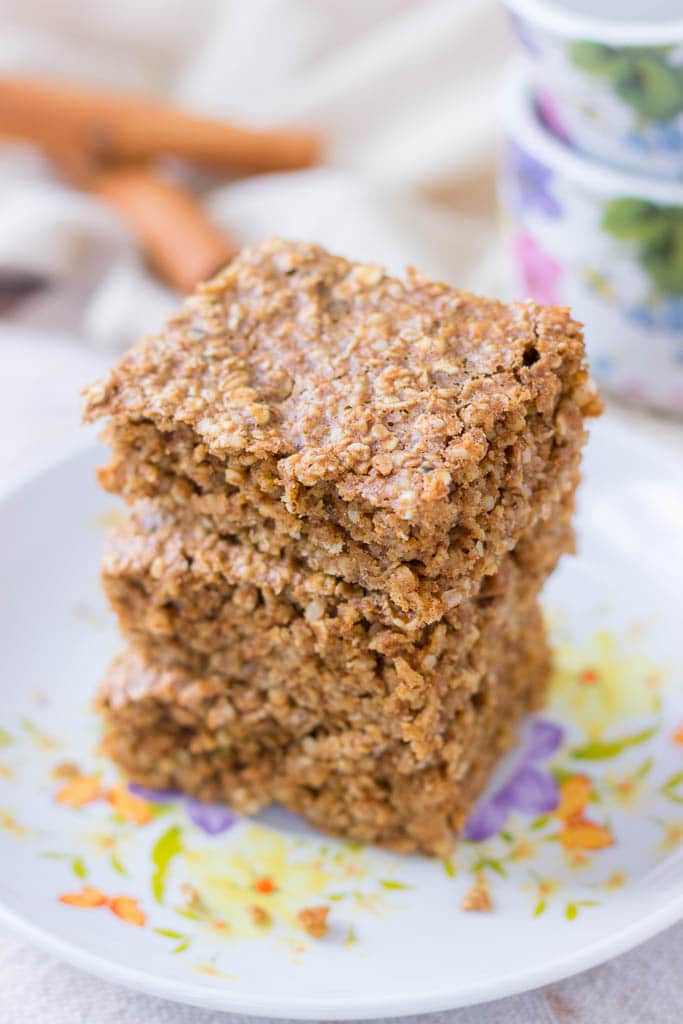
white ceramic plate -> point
(136, 891)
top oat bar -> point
(365, 424)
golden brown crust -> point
(348, 490)
(390, 389)
(307, 648)
(167, 728)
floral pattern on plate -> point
(550, 825)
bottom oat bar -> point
(219, 739)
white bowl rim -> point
(547, 15)
(522, 126)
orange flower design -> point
(125, 907)
(128, 909)
(86, 898)
(578, 832)
(80, 790)
(127, 805)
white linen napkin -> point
(404, 91)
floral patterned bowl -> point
(612, 87)
(608, 244)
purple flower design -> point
(212, 818)
(530, 181)
(550, 115)
(530, 788)
(540, 272)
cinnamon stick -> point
(180, 242)
(114, 128)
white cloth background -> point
(403, 90)
(406, 93)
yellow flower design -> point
(522, 850)
(598, 684)
(627, 790)
(8, 823)
(673, 836)
(267, 879)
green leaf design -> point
(159, 809)
(191, 915)
(641, 75)
(389, 883)
(663, 260)
(42, 739)
(449, 867)
(595, 58)
(600, 750)
(489, 862)
(659, 232)
(540, 908)
(645, 769)
(627, 217)
(572, 909)
(78, 867)
(351, 937)
(670, 786)
(183, 940)
(168, 846)
(117, 865)
(651, 87)
(5, 738)
(561, 774)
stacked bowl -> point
(592, 181)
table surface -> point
(39, 421)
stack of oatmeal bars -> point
(346, 493)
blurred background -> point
(404, 94)
(416, 115)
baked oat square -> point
(348, 490)
(398, 434)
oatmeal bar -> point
(312, 647)
(169, 728)
(397, 434)
(347, 491)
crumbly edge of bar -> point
(180, 561)
(307, 672)
(420, 585)
(341, 783)
(391, 390)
